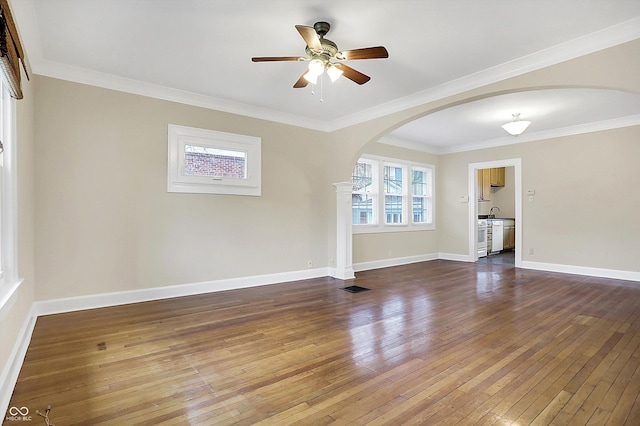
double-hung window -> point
(8, 198)
(392, 195)
(365, 192)
(421, 194)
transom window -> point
(211, 162)
(392, 195)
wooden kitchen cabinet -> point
(488, 178)
(497, 176)
(484, 185)
(509, 234)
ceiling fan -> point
(324, 55)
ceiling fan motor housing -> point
(322, 28)
(329, 50)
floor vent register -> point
(355, 289)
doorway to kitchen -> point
(475, 210)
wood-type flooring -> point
(431, 343)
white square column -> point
(344, 265)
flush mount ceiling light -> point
(516, 126)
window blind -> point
(11, 52)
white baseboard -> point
(94, 301)
(133, 296)
(548, 267)
(386, 263)
(11, 370)
(583, 270)
(456, 257)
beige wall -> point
(393, 245)
(585, 207)
(106, 223)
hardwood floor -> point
(431, 343)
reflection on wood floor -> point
(437, 342)
(504, 258)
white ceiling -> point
(199, 52)
(552, 112)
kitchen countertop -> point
(484, 216)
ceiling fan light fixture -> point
(516, 126)
(311, 78)
(333, 72)
(316, 67)
(320, 51)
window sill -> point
(376, 229)
(7, 294)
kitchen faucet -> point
(491, 213)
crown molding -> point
(390, 139)
(614, 123)
(107, 81)
(591, 43)
(605, 38)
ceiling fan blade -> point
(364, 53)
(310, 36)
(302, 82)
(277, 58)
(353, 75)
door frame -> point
(516, 163)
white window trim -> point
(178, 181)
(9, 281)
(408, 225)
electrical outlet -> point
(309, 264)
(531, 251)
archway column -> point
(344, 260)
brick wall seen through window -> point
(202, 161)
